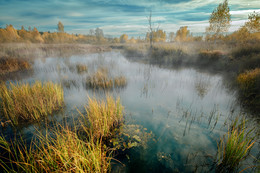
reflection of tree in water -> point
(148, 83)
(202, 87)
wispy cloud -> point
(116, 17)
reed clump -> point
(101, 80)
(81, 68)
(120, 81)
(8, 65)
(234, 147)
(104, 117)
(30, 102)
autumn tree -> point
(123, 38)
(60, 27)
(183, 34)
(220, 19)
(253, 24)
(157, 36)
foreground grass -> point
(8, 65)
(30, 102)
(62, 151)
(234, 147)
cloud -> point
(118, 16)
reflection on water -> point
(186, 110)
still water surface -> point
(186, 110)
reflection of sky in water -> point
(155, 98)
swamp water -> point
(187, 111)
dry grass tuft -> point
(29, 103)
(8, 65)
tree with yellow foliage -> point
(123, 38)
(253, 24)
(219, 20)
(183, 34)
(60, 27)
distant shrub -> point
(249, 79)
(246, 51)
(212, 55)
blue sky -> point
(116, 17)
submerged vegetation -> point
(24, 102)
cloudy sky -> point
(116, 17)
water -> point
(186, 110)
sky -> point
(116, 17)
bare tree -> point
(150, 29)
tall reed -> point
(104, 116)
(235, 147)
(30, 102)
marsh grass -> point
(120, 81)
(248, 80)
(8, 65)
(24, 102)
(101, 80)
(59, 151)
(249, 85)
(103, 117)
(234, 147)
(81, 68)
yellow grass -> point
(104, 116)
(26, 102)
(8, 65)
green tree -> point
(253, 24)
(60, 27)
(220, 19)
